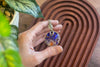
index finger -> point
(41, 25)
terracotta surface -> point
(81, 29)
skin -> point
(33, 37)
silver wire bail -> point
(50, 25)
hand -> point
(33, 37)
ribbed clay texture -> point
(79, 35)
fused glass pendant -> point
(52, 38)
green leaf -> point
(14, 32)
(9, 54)
(26, 6)
(9, 43)
(4, 26)
(10, 58)
(2, 60)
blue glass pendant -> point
(52, 38)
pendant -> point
(52, 38)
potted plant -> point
(12, 8)
(9, 53)
(11, 14)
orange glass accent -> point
(51, 43)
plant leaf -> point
(9, 54)
(14, 32)
(10, 58)
(4, 26)
(9, 43)
(26, 6)
(2, 60)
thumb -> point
(48, 52)
(51, 51)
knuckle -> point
(43, 23)
(40, 24)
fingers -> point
(57, 28)
(50, 51)
(41, 37)
(41, 25)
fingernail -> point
(57, 21)
(60, 49)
